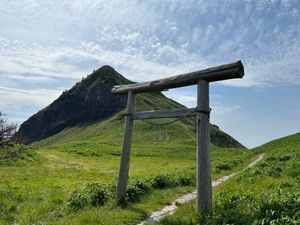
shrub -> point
(185, 179)
(97, 194)
(142, 185)
(272, 158)
(76, 200)
(162, 181)
(274, 171)
(223, 166)
(93, 194)
(133, 194)
(136, 190)
(284, 158)
(112, 189)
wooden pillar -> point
(204, 188)
(125, 157)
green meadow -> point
(35, 189)
(70, 177)
(268, 193)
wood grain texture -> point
(125, 156)
(204, 188)
(223, 72)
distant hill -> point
(287, 142)
(88, 109)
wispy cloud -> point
(15, 98)
(51, 44)
(157, 39)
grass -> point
(35, 188)
(265, 194)
(36, 192)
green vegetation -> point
(265, 194)
(73, 174)
(38, 191)
(74, 182)
(70, 177)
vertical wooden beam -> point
(204, 188)
(125, 157)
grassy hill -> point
(265, 194)
(36, 189)
(58, 178)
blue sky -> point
(47, 46)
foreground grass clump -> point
(136, 190)
(97, 194)
(229, 208)
(93, 194)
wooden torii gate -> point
(202, 78)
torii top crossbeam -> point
(218, 73)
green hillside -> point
(110, 131)
(36, 189)
(70, 177)
(46, 185)
(265, 194)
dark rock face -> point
(87, 101)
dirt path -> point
(170, 209)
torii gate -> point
(202, 78)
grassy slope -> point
(37, 191)
(110, 131)
(266, 194)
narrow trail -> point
(170, 209)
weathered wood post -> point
(204, 186)
(125, 157)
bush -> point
(136, 190)
(185, 179)
(162, 181)
(284, 158)
(274, 171)
(93, 194)
(76, 200)
(9, 155)
(97, 194)
(223, 166)
(7, 132)
(133, 194)
(142, 185)
(272, 158)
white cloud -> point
(134, 37)
(45, 43)
(12, 99)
